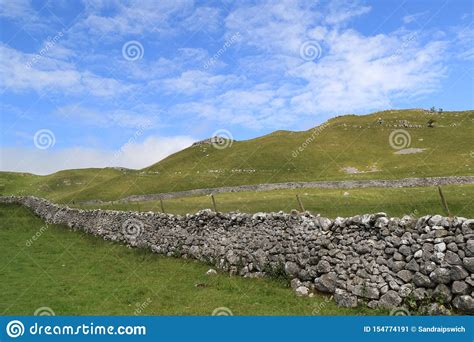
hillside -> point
(346, 147)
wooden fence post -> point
(443, 201)
(214, 202)
(300, 203)
(161, 205)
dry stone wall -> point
(368, 259)
(349, 184)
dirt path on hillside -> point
(350, 184)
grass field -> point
(327, 202)
(356, 143)
(76, 274)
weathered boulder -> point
(326, 283)
(365, 291)
(464, 303)
(343, 298)
(440, 276)
(390, 300)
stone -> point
(435, 309)
(460, 288)
(397, 256)
(405, 275)
(464, 304)
(428, 267)
(365, 291)
(435, 220)
(421, 280)
(452, 258)
(302, 291)
(404, 250)
(458, 272)
(324, 223)
(405, 290)
(440, 276)
(373, 304)
(468, 263)
(412, 265)
(452, 247)
(211, 271)
(442, 293)
(292, 269)
(323, 267)
(396, 266)
(295, 283)
(363, 248)
(419, 293)
(440, 247)
(381, 222)
(345, 299)
(469, 248)
(326, 283)
(467, 227)
(418, 254)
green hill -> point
(345, 147)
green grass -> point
(327, 202)
(347, 141)
(77, 274)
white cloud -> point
(355, 73)
(341, 11)
(196, 81)
(360, 73)
(134, 17)
(21, 71)
(16, 9)
(415, 17)
(134, 155)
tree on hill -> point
(430, 123)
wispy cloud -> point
(18, 73)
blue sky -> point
(125, 83)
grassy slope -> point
(58, 185)
(77, 274)
(327, 202)
(348, 141)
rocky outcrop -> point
(372, 259)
